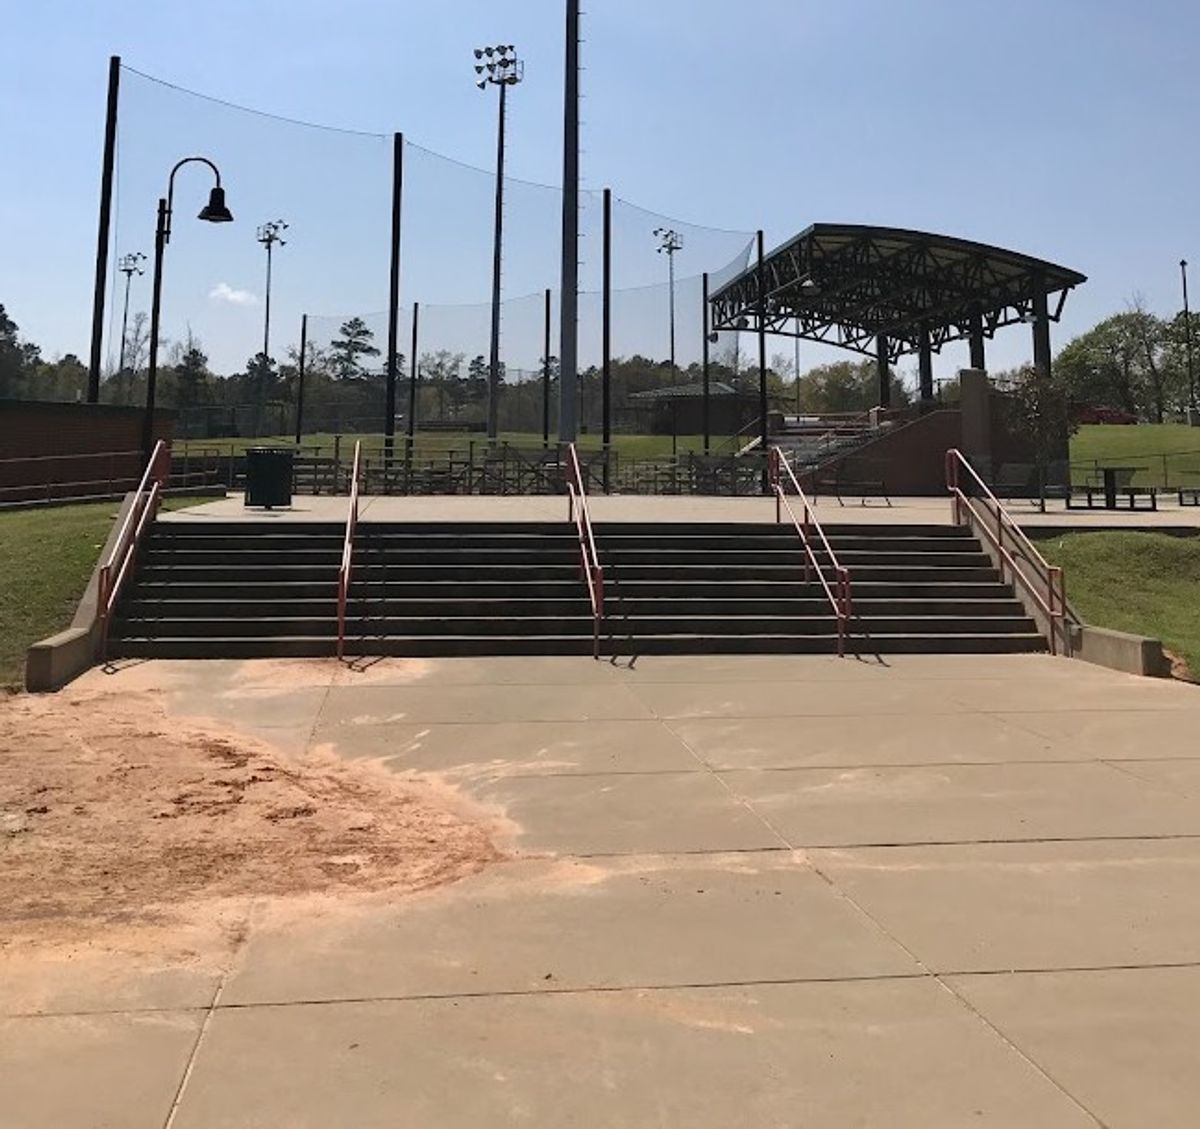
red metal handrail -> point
(115, 568)
(345, 568)
(838, 593)
(1054, 603)
(589, 558)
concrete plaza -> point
(776, 891)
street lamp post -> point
(128, 266)
(214, 211)
(497, 66)
(1187, 338)
(668, 243)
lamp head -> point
(215, 210)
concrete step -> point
(619, 559)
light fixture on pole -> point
(269, 234)
(129, 265)
(668, 243)
(1187, 338)
(214, 211)
(497, 66)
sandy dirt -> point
(114, 816)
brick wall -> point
(94, 444)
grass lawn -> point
(1145, 583)
(626, 446)
(46, 557)
(1142, 444)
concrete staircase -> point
(711, 588)
(246, 589)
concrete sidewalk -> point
(672, 508)
(760, 891)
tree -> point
(18, 359)
(261, 377)
(354, 341)
(191, 373)
(1041, 412)
(477, 379)
(442, 371)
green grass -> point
(46, 557)
(1144, 583)
(626, 446)
(1170, 448)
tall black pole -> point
(267, 308)
(546, 376)
(102, 228)
(671, 288)
(414, 370)
(160, 242)
(925, 365)
(300, 369)
(569, 288)
(762, 360)
(1187, 338)
(606, 330)
(704, 364)
(393, 342)
(493, 396)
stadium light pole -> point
(268, 234)
(129, 265)
(214, 211)
(668, 243)
(497, 66)
(1187, 338)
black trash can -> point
(269, 476)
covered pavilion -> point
(887, 292)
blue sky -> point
(1064, 129)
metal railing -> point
(780, 475)
(116, 567)
(1015, 551)
(589, 559)
(344, 570)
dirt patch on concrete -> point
(113, 814)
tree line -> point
(1134, 361)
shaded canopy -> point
(849, 284)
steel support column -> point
(975, 338)
(606, 333)
(546, 376)
(1041, 331)
(925, 365)
(883, 371)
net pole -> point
(569, 288)
(606, 336)
(300, 369)
(100, 292)
(546, 377)
(493, 391)
(704, 363)
(762, 358)
(414, 370)
(389, 424)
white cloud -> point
(223, 292)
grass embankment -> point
(1169, 452)
(46, 558)
(1145, 583)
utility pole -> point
(129, 265)
(497, 66)
(668, 243)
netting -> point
(333, 187)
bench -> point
(855, 476)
